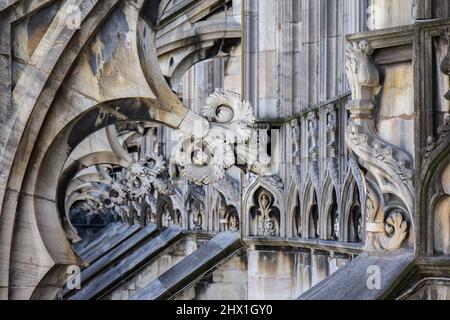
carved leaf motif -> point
(205, 159)
(396, 231)
(227, 111)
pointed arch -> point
(250, 201)
(310, 211)
(294, 218)
(351, 222)
(329, 211)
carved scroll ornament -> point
(389, 166)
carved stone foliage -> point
(146, 176)
(386, 228)
(265, 217)
(390, 166)
(207, 147)
(195, 215)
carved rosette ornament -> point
(388, 165)
(116, 195)
(207, 143)
(145, 176)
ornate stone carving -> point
(385, 230)
(389, 165)
(206, 149)
(167, 218)
(332, 156)
(295, 125)
(114, 196)
(313, 132)
(147, 175)
(196, 216)
(313, 150)
(272, 180)
(266, 224)
(229, 218)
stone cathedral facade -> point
(224, 149)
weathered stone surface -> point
(351, 282)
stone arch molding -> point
(73, 85)
(329, 221)
(435, 190)
(294, 227)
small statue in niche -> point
(197, 217)
(167, 219)
(336, 229)
(359, 228)
(233, 223)
(331, 127)
(222, 215)
(178, 217)
(151, 216)
(266, 225)
(296, 140)
(312, 132)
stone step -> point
(114, 255)
(192, 268)
(125, 267)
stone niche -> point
(264, 215)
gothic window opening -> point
(356, 232)
(297, 232)
(333, 221)
(314, 219)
